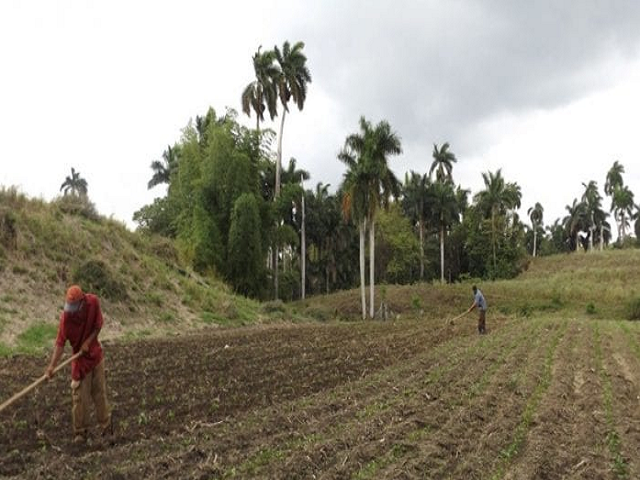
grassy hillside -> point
(44, 247)
(594, 285)
(145, 290)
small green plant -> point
(591, 309)
(143, 418)
(416, 303)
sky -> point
(547, 91)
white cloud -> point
(546, 94)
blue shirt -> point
(479, 300)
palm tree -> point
(442, 164)
(354, 205)
(292, 174)
(622, 205)
(535, 214)
(416, 204)
(496, 199)
(74, 184)
(636, 219)
(593, 211)
(261, 94)
(574, 221)
(162, 170)
(444, 210)
(368, 185)
(291, 84)
(603, 229)
(462, 196)
(614, 178)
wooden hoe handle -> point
(453, 320)
(22, 393)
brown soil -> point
(358, 400)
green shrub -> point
(273, 306)
(78, 205)
(94, 276)
(163, 248)
(8, 229)
(318, 314)
(634, 309)
(591, 309)
(229, 310)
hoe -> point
(22, 393)
(453, 319)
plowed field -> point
(534, 398)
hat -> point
(73, 298)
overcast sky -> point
(548, 91)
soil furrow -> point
(566, 439)
(623, 368)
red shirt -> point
(77, 327)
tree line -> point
(236, 213)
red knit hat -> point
(72, 298)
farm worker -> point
(80, 324)
(481, 304)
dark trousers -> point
(481, 321)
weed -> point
(19, 270)
(591, 309)
(416, 304)
(143, 418)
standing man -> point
(80, 324)
(480, 302)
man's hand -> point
(49, 371)
(85, 347)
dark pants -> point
(481, 321)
